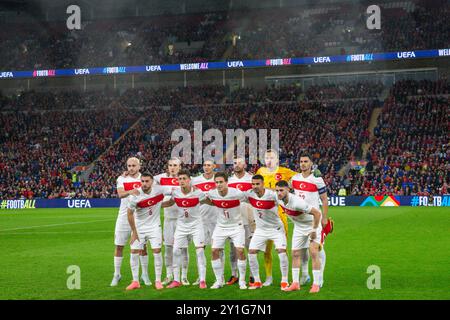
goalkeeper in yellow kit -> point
(273, 173)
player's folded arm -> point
(167, 203)
(206, 201)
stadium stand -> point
(408, 155)
(322, 29)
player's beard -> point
(306, 170)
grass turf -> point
(409, 244)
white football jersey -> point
(297, 209)
(265, 209)
(146, 207)
(243, 184)
(188, 207)
(229, 211)
(309, 188)
(127, 183)
(209, 213)
(168, 183)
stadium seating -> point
(322, 29)
(39, 148)
(408, 153)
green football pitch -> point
(410, 245)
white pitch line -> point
(55, 225)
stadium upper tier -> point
(46, 135)
(330, 29)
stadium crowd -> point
(40, 148)
(409, 153)
(322, 29)
(365, 89)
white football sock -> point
(201, 263)
(217, 267)
(134, 263)
(316, 277)
(233, 260)
(254, 266)
(323, 260)
(144, 264)
(295, 274)
(284, 266)
(168, 260)
(117, 265)
(157, 257)
(177, 252)
(305, 262)
(242, 266)
(184, 263)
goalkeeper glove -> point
(317, 173)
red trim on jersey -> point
(128, 186)
(168, 181)
(242, 186)
(261, 204)
(290, 212)
(206, 186)
(187, 202)
(226, 204)
(304, 186)
(150, 202)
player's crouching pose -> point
(268, 227)
(307, 233)
(145, 222)
(189, 224)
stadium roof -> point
(56, 10)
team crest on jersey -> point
(304, 186)
(278, 176)
(292, 213)
(169, 182)
(261, 204)
(241, 186)
(206, 186)
(226, 203)
(127, 186)
(187, 202)
(151, 201)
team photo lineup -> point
(197, 153)
(250, 211)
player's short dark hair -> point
(305, 155)
(184, 172)
(146, 174)
(282, 184)
(258, 177)
(220, 174)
